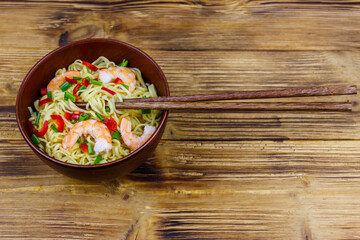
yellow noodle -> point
(96, 100)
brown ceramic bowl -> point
(90, 49)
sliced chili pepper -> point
(31, 126)
(90, 66)
(77, 97)
(118, 81)
(67, 116)
(59, 121)
(43, 91)
(44, 101)
(42, 131)
(111, 124)
(76, 88)
(108, 90)
(85, 82)
(75, 117)
(70, 80)
(84, 147)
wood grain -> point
(215, 175)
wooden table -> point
(233, 175)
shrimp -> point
(125, 74)
(55, 83)
(132, 141)
(98, 130)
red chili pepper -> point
(31, 126)
(70, 80)
(43, 91)
(43, 130)
(118, 81)
(84, 147)
(85, 82)
(90, 66)
(67, 116)
(46, 100)
(76, 88)
(111, 124)
(59, 121)
(108, 90)
(75, 117)
(77, 97)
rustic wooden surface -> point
(247, 175)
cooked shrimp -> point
(98, 130)
(124, 73)
(55, 83)
(132, 141)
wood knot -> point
(82, 32)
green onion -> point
(90, 148)
(145, 111)
(73, 121)
(83, 117)
(144, 96)
(107, 109)
(124, 63)
(116, 135)
(89, 70)
(125, 86)
(38, 118)
(35, 139)
(78, 141)
(65, 86)
(65, 97)
(97, 160)
(70, 96)
(77, 78)
(54, 128)
(100, 117)
(82, 87)
(95, 82)
(49, 94)
(88, 78)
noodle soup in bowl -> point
(90, 158)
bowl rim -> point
(98, 166)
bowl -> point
(90, 49)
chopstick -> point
(192, 102)
(282, 93)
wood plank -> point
(271, 189)
(243, 25)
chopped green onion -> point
(116, 135)
(54, 128)
(70, 96)
(144, 96)
(145, 111)
(95, 82)
(49, 94)
(88, 78)
(65, 97)
(82, 87)
(35, 139)
(124, 63)
(97, 160)
(77, 78)
(78, 141)
(90, 148)
(37, 118)
(125, 86)
(83, 117)
(65, 86)
(89, 70)
(73, 121)
(100, 117)
(107, 109)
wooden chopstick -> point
(282, 93)
(236, 106)
(194, 102)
